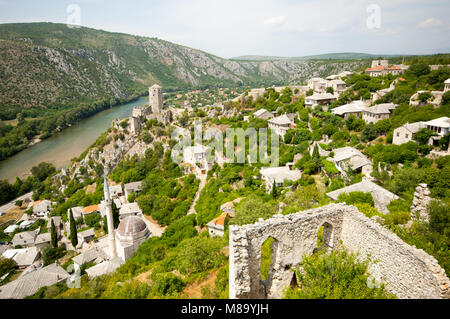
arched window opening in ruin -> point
(268, 250)
(324, 238)
(294, 283)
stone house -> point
(338, 85)
(59, 225)
(263, 114)
(404, 134)
(85, 236)
(90, 210)
(278, 175)
(378, 112)
(381, 197)
(27, 257)
(116, 191)
(320, 99)
(41, 208)
(24, 239)
(281, 124)
(94, 254)
(135, 187)
(447, 85)
(350, 158)
(216, 227)
(129, 209)
(77, 212)
(317, 84)
(42, 240)
(353, 108)
(30, 283)
(441, 126)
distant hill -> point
(46, 65)
(327, 56)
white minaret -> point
(110, 220)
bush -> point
(251, 209)
(337, 275)
(356, 198)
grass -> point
(13, 214)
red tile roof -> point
(90, 209)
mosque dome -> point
(131, 226)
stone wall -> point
(405, 270)
(420, 203)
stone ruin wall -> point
(406, 271)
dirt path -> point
(197, 196)
(154, 227)
(194, 290)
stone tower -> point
(110, 220)
(155, 98)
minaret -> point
(110, 220)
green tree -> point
(53, 235)
(274, 191)
(6, 265)
(73, 230)
(419, 69)
(43, 170)
(423, 136)
(251, 209)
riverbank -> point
(60, 148)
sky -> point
(231, 28)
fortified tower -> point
(155, 99)
(109, 218)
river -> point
(71, 142)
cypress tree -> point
(315, 154)
(274, 190)
(53, 237)
(73, 230)
(116, 214)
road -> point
(12, 204)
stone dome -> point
(131, 225)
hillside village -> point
(132, 223)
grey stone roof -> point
(29, 236)
(281, 120)
(87, 233)
(26, 258)
(440, 122)
(381, 197)
(89, 255)
(355, 157)
(412, 127)
(135, 186)
(56, 220)
(105, 267)
(130, 208)
(353, 107)
(32, 282)
(279, 174)
(385, 108)
(42, 238)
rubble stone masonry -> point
(406, 271)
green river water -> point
(62, 147)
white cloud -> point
(430, 23)
(275, 21)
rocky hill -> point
(46, 65)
